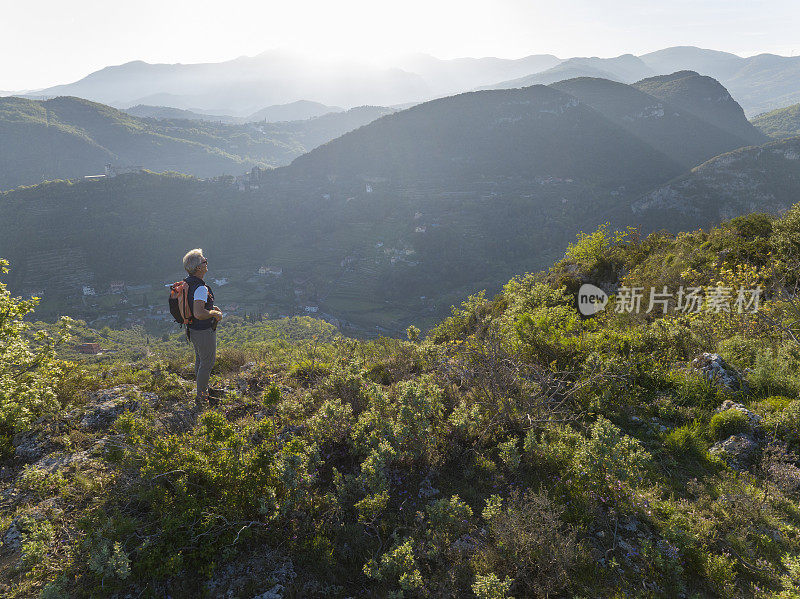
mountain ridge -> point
(70, 137)
(760, 83)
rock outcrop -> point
(738, 451)
(716, 370)
(106, 405)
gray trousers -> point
(205, 352)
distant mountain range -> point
(442, 199)
(758, 83)
(70, 137)
(244, 85)
(626, 69)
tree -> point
(29, 369)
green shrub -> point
(591, 248)
(36, 538)
(509, 454)
(740, 351)
(55, 589)
(29, 370)
(380, 374)
(310, 370)
(685, 441)
(785, 424)
(724, 424)
(230, 359)
(549, 334)
(372, 506)
(554, 447)
(775, 372)
(609, 456)
(694, 389)
(721, 573)
(448, 519)
(791, 579)
(399, 566)
(469, 419)
(110, 560)
(531, 544)
(773, 403)
(271, 395)
(491, 587)
(407, 419)
(332, 422)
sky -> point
(49, 42)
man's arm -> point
(200, 312)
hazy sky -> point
(46, 42)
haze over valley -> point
(377, 217)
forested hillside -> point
(66, 138)
(684, 137)
(782, 122)
(517, 450)
(705, 98)
(739, 182)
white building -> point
(274, 271)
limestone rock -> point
(106, 405)
(275, 592)
(752, 418)
(29, 446)
(12, 539)
(247, 381)
(716, 370)
(738, 450)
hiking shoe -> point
(217, 393)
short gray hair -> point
(192, 260)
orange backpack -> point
(179, 302)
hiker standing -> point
(205, 316)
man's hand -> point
(216, 313)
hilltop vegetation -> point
(781, 122)
(705, 98)
(294, 111)
(684, 137)
(517, 450)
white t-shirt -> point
(201, 294)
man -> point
(202, 328)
